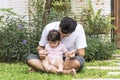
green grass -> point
(117, 51)
(19, 71)
(101, 63)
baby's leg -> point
(59, 65)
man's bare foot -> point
(60, 71)
(73, 72)
(31, 70)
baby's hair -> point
(53, 36)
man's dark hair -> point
(53, 36)
(67, 25)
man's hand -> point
(42, 54)
(71, 54)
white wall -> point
(21, 6)
(97, 4)
(18, 6)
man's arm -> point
(81, 52)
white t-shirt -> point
(76, 40)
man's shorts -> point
(79, 58)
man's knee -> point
(29, 61)
(81, 62)
(30, 58)
(76, 64)
(69, 64)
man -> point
(73, 36)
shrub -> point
(98, 49)
(13, 40)
(95, 23)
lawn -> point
(19, 71)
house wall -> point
(77, 5)
(18, 6)
(21, 6)
(105, 5)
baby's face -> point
(54, 44)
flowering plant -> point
(13, 40)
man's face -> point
(62, 34)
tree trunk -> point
(117, 22)
(47, 7)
